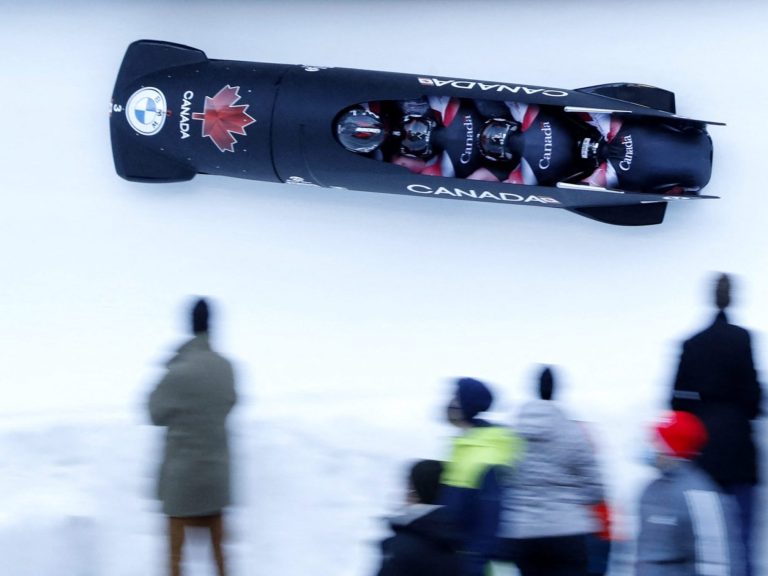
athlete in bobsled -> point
(650, 156)
(519, 143)
(463, 138)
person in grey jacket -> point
(688, 527)
(547, 506)
(193, 401)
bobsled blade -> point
(586, 110)
(587, 188)
(643, 197)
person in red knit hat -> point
(688, 527)
(680, 435)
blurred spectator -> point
(548, 511)
(687, 526)
(192, 401)
(425, 540)
(599, 543)
(716, 380)
(471, 481)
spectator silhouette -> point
(547, 513)
(192, 401)
(425, 540)
(474, 473)
(716, 380)
(688, 527)
(598, 543)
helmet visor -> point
(360, 131)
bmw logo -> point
(145, 111)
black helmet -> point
(360, 130)
(417, 136)
(494, 139)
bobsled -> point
(617, 153)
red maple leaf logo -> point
(222, 119)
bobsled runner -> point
(617, 153)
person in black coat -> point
(425, 540)
(716, 380)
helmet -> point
(417, 135)
(360, 130)
(494, 139)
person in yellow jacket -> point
(474, 473)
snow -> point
(347, 313)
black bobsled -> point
(616, 153)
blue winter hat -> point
(474, 397)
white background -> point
(346, 312)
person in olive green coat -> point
(193, 401)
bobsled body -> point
(176, 113)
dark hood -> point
(430, 522)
